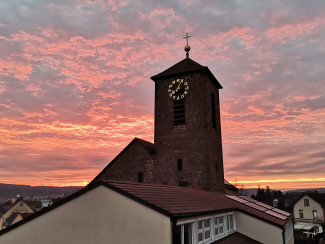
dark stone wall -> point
(197, 143)
(126, 166)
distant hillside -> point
(319, 190)
(8, 191)
(249, 192)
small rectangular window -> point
(140, 177)
(213, 111)
(315, 216)
(179, 164)
(306, 202)
(183, 184)
(301, 214)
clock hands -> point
(179, 85)
(180, 91)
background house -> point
(13, 213)
(309, 212)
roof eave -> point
(204, 69)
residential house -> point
(309, 212)
(14, 213)
(125, 212)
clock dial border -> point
(175, 85)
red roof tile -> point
(238, 239)
(183, 201)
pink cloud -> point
(15, 69)
(288, 32)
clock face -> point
(178, 89)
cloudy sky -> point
(75, 84)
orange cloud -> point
(256, 110)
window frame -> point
(211, 227)
(315, 215)
(182, 223)
(301, 214)
(306, 202)
(204, 229)
(229, 231)
(217, 226)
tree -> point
(268, 197)
(258, 194)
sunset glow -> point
(75, 85)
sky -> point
(75, 84)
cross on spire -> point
(186, 37)
(187, 48)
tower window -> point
(213, 108)
(179, 112)
(183, 184)
(179, 164)
(140, 177)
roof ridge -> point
(155, 185)
(141, 140)
(188, 62)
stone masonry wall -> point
(131, 161)
(197, 143)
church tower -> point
(187, 148)
(187, 133)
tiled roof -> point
(5, 209)
(11, 218)
(25, 215)
(229, 186)
(36, 204)
(176, 200)
(183, 201)
(186, 66)
(318, 197)
(237, 238)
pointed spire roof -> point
(186, 66)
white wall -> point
(257, 229)
(98, 216)
(308, 210)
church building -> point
(187, 149)
(170, 191)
